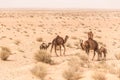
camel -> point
(90, 44)
(104, 51)
(59, 41)
(44, 46)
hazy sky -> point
(103, 4)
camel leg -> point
(60, 50)
(55, 50)
(93, 55)
(64, 49)
(104, 56)
(86, 51)
(99, 55)
(51, 48)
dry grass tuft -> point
(69, 45)
(84, 60)
(77, 45)
(99, 76)
(17, 42)
(71, 74)
(43, 56)
(4, 53)
(74, 37)
(117, 56)
(40, 70)
(101, 65)
(83, 57)
(76, 61)
(39, 39)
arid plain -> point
(22, 31)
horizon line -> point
(58, 9)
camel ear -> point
(81, 40)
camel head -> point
(81, 44)
(49, 44)
(81, 41)
(66, 38)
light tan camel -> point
(59, 41)
(44, 46)
(104, 51)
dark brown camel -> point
(104, 51)
(44, 46)
(59, 41)
(90, 44)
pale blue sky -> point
(93, 4)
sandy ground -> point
(26, 26)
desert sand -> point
(20, 29)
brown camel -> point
(90, 44)
(59, 41)
(104, 51)
(44, 46)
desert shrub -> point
(43, 56)
(72, 74)
(39, 39)
(69, 45)
(99, 76)
(101, 65)
(77, 45)
(83, 57)
(74, 37)
(17, 42)
(4, 53)
(76, 61)
(39, 70)
(117, 56)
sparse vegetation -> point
(99, 76)
(76, 61)
(74, 37)
(83, 57)
(17, 42)
(71, 74)
(75, 71)
(77, 45)
(117, 56)
(39, 39)
(69, 45)
(40, 70)
(43, 56)
(101, 65)
(4, 53)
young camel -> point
(59, 41)
(104, 51)
(44, 46)
(90, 44)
